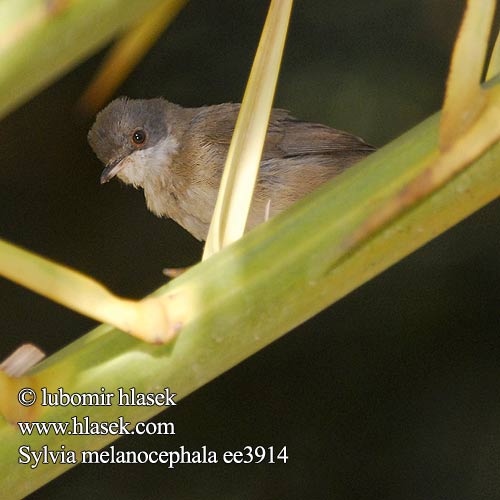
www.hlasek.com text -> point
(85, 426)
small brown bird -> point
(177, 156)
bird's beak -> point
(111, 169)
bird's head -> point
(133, 139)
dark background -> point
(393, 392)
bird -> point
(177, 155)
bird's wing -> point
(288, 137)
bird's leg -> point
(174, 272)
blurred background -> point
(393, 392)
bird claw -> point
(174, 272)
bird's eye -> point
(138, 137)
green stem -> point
(250, 294)
(40, 42)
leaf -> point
(464, 98)
(126, 54)
(494, 65)
(242, 164)
(147, 319)
(41, 40)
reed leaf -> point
(40, 40)
(127, 52)
(242, 164)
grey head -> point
(131, 137)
